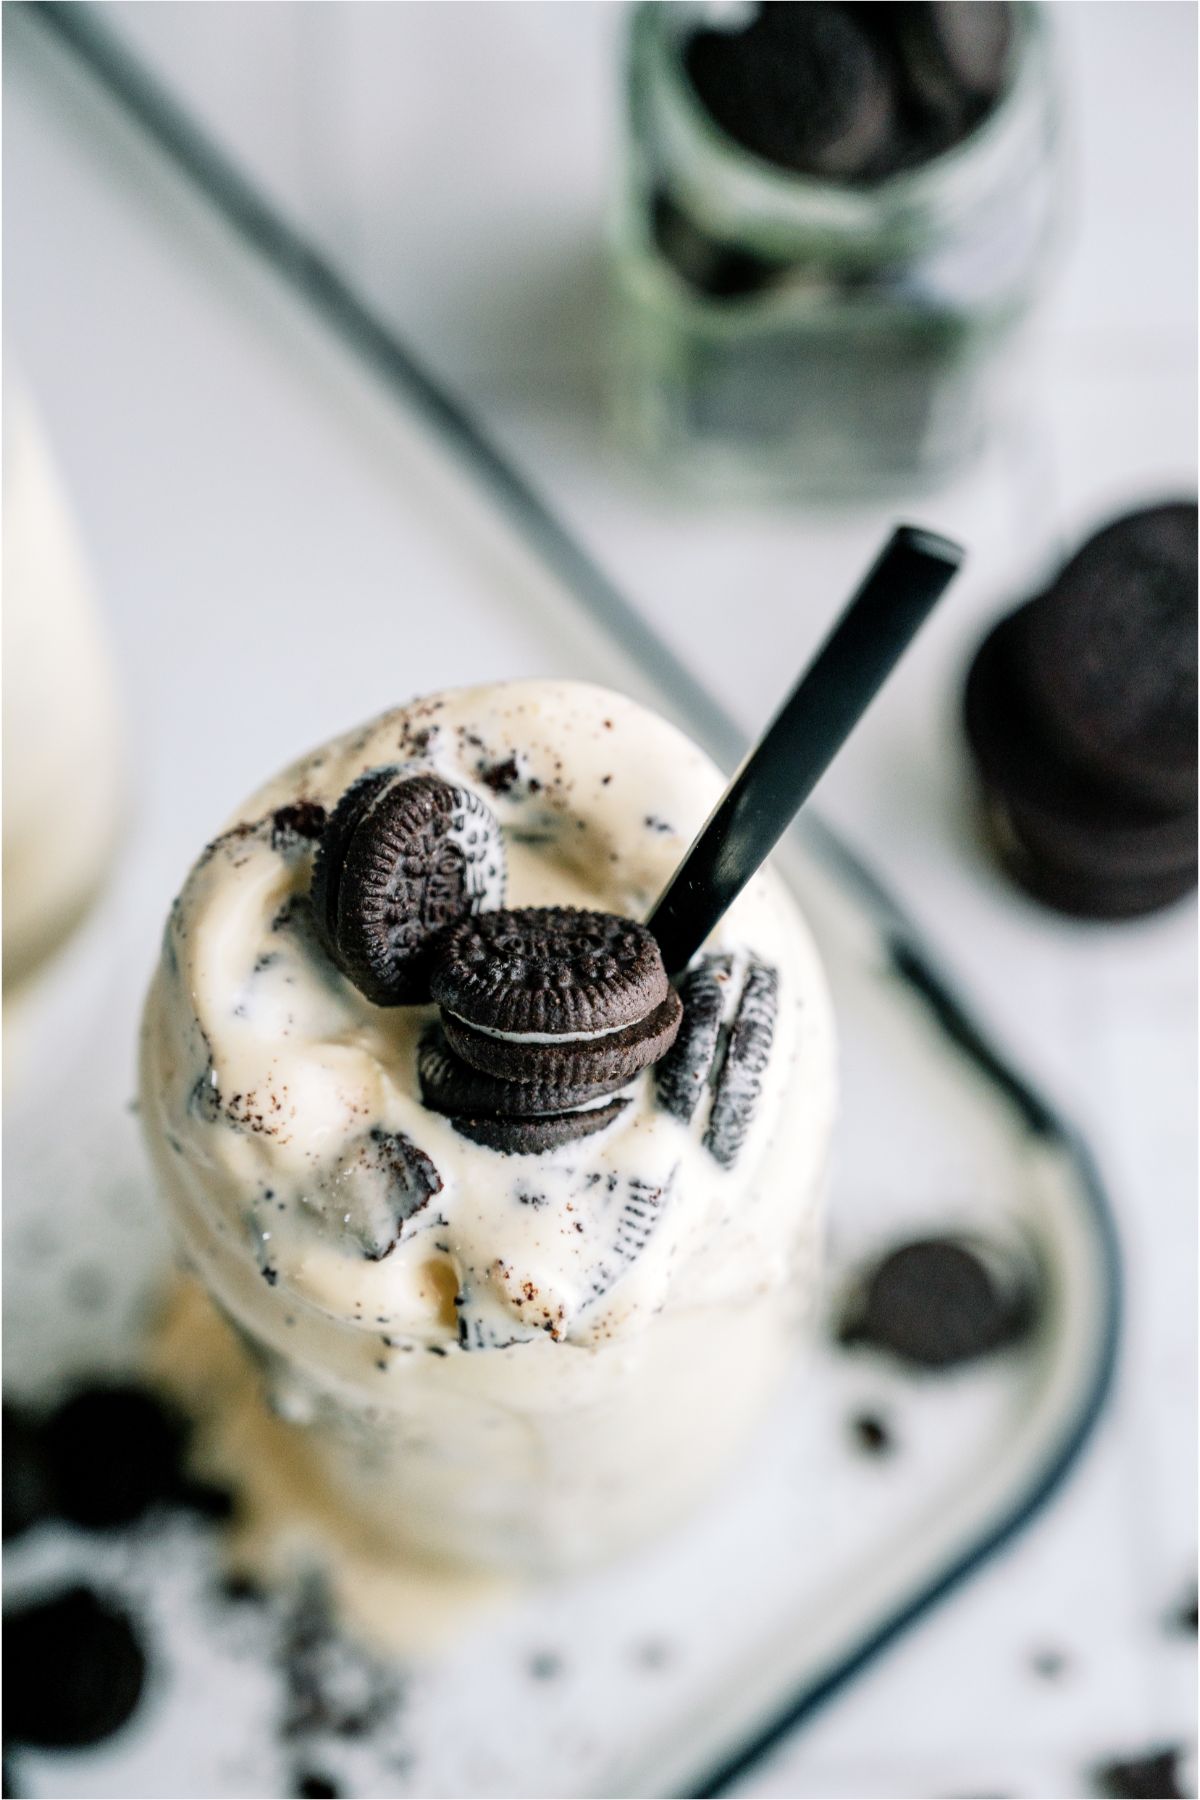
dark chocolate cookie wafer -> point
(938, 1302)
(601, 1063)
(739, 1082)
(450, 1085)
(801, 86)
(404, 857)
(549, 972)
(681, 1076)
(1065, 839)
(1112, 659)
(532, 1137)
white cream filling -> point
(539, 1037)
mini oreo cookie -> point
(1068, 840)
(553, 973)
(1111, 667)
(941, 1301)
(739, 1080)
(681, 1076)
(404, 857)
(1156, 1775)
(533, 1137)
(450, 1085)
(74, 1670)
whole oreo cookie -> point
(549, 973)
(739, 1082)
(1064, 837)
(533, 1137)
(939, 1302)
(450, 1085)
(404, 857)
(1112, 663)
(680, 1078)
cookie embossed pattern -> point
(375, 1191)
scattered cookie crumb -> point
(871, 1435)
(545, 1665)
(1049, 1665)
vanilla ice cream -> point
(559, 1350)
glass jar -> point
(782, 333)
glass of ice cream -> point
(510, 1343)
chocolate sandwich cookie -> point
(682, 1075)
(939, 1302)
(403, 858)
(1112, 654)
(450, 1085)
(555, 995)
(1061, 834)
(739, 1076)
(74, 1670)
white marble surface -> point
(457, 157)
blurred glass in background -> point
(831, 217)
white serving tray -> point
(674, 1672)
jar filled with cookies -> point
(831, 217)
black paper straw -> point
(912, 572)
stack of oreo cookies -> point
(1080, 714)
(546, 1013)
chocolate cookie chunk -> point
(404, 857)
(450, 1085)
(549, 972)
(297, 826)
(940, 1302)
(801, 86)
(381, 1182)
(1066, 839)
(73, 1670)
(1111, 661)
(533, 1137)
(739, 1080)
(680, 1078)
